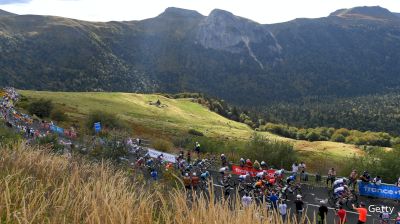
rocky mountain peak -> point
(179, 12)
(365, 12)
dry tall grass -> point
(38, 187)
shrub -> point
(59, 115)
(278, 154)
(195, 132)
(338, 138)
(163, 145)
(41, 108)
(312, 136)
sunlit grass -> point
(175, 118)
(38, 187)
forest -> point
(368, 120)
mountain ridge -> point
(221, 54)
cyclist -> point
(244, 178)
(223, 160)
(205, 175)
(397, 221)
(249, 164)
(261, 175)
(290, 179)
(264, 165)
(279, 173)
(339, 183)
(149, 162)
(223, 170)
(186, 180)
(140, 162)
(195, 180)
(258, 184)
(154, 174)
(242, 162)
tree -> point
(41, 108)
(338, 138)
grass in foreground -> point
(38, 187)
(176, 117)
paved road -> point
(313, 196)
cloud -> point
(6, 2)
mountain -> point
(5, 13)
(351, 52)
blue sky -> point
(263, 11)
(4, 2)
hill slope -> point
(351, 52)
(175, 117)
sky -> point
(262, 11)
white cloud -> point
(263, 11)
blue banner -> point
(379, 191)
(97, 127)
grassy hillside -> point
(39, 187)
(174, 118)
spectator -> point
(362, 213)
(299, 205)
(342, 215)
(331, 176)
(295, 169)
(377, 180)
(322, 212)
(353, 179)
(398, 182)
(197, 148)
(302, 167)
(283, 210)
(365, 177)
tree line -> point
(368, 120)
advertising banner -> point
(167, 157)
(379, 191)
(238, 170)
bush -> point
(59, 115)
(41, 108)
(338, 138)
(195, 132)
(278, 154)
(163, 145)
(312, 136)
(107, 120)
